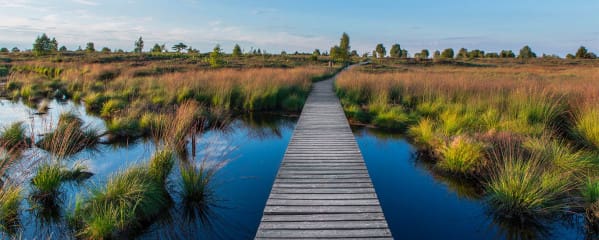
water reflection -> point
(415, 197)
(251, 146)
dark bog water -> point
(418, 204)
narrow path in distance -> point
(323, 189)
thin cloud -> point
(86, 2)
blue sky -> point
(548, 26)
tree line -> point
(44, 45)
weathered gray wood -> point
(323, 189)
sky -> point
(548, 26)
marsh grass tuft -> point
(13, 136)
(520, 187)
(462, 155)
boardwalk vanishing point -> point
(323, 189)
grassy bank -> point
(526, 133)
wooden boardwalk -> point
(323, 189)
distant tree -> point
(192, 50)
(163, 48)
(354, 53)
(380, 50)
(89, 47)
(374, 53)
(139, 45)
(105, 50)
(507, 54)
(583, 53)
(395, 51)
(119, 51)
(179, 47)
(283, 53)
(404, 53)
(526, 52)
(491, 55)
(63, 49)
(15, 50)
(44, 45)
(344, 47)
(417, 56)
(3, 50)
(462, 54)
(316, 52)
(476, 53)
(424, 53)
(337, 54)
(216, 57)
(79, 49)
(237, 51)
(365, 55)
(447, 53)
(436, 54)
(570, 56)
(156, 48)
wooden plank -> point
(361, 233)
(322, 189)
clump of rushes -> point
(47, 181)
(161, 164)
(10, 199)
(587, 127)
(424, 133)
(559, 155)
(129, 197)
(153, 123)
(185, 120)
(123, 128)
(195, 184)
(111, 107)
(94, 102)
(590, 195)
(521, 187)
(394, 118)
(69, 137)
(13, 136)
(462, 156)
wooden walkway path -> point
(323, 189)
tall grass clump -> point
(111, 107)
(462, 156)
(424, 133)
(161, 164)
(10, 201)
(587, 127)
(128, 198)
(13, 136)
(196, 189)
(520, 188)
(69, 137)
(47, 181)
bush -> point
(293, 103)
